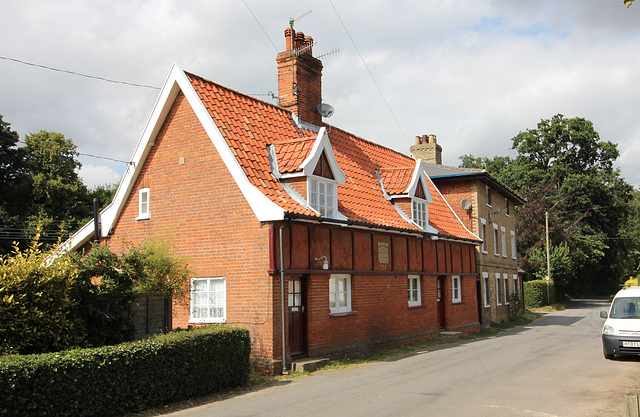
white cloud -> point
(94, 175)
(473, 72)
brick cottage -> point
(319, 242)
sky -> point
(474, 73)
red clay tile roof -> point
(397, 180)
(292, 153)
(249, 125)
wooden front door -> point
(297, 329)
(442, 320)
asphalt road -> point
(554, 367)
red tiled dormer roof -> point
(249, 126)
(292, 153)
(397, 180)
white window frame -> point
(516, 284)
(488, 196)
(414, 290)
(498, 303)
(485, 285)
(496, 248)
(503, 235)
(335, 292)
(483, 235)
(223, 301)
(324, 203)
(420, 212)
(505, 279)
(514, 253)
(507, 211)
(144, 197)
(456, 289)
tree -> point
(564, 169)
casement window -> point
(488, 196)
(505, 283)
(503, 233)
(498, 289)
(419, 208)
(507, 211)
(322, 196)
(340, 293)
(419, 211)
(483, 234)
(516, 284)
(143, 204)
(208, 300)
(485, 288)
(413, 289)
(456, 289)
(514, 254)
(496, 243)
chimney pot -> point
(299, 36)
(289, 34)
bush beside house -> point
(129, 377)
(535, 293)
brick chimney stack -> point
(300, 78)
(427, 149)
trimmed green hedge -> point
(535, 293)
(125, 378)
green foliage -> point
(107, 291)
(564, 169)
(103, 193)
(162, 271)
(38, 305)
(126, 378)
(561, 263)
(535, 293)
(50, 301)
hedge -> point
(535, 293)
(125, 378)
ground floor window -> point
(456, 289)
(506, 288)
(208, 300)
(413, 285)
(498, 302)
(340, 293)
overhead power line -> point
(370, 73)
(79, 74)
(260, 24)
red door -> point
(297, 328)
(442, 321)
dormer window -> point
(322, 196)
(419, 207)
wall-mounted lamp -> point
(325, 263)
(504, 210)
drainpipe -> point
(282, 296)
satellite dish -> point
(466, 204)
(325, 110)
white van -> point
(621, 330)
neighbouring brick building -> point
(485, 206)
(319, 242)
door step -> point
(450, 335)
(308, 364)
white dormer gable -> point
(418, 180)
(322, 145)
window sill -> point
(454, 302)
(342, 314)
(207, 321)
(489, 306)
(143, 217)
(416, 306)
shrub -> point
(125, 378)
(37, 303)
(535, 293)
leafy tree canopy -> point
(563, 168)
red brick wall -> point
(198, 209)
(454, 192)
